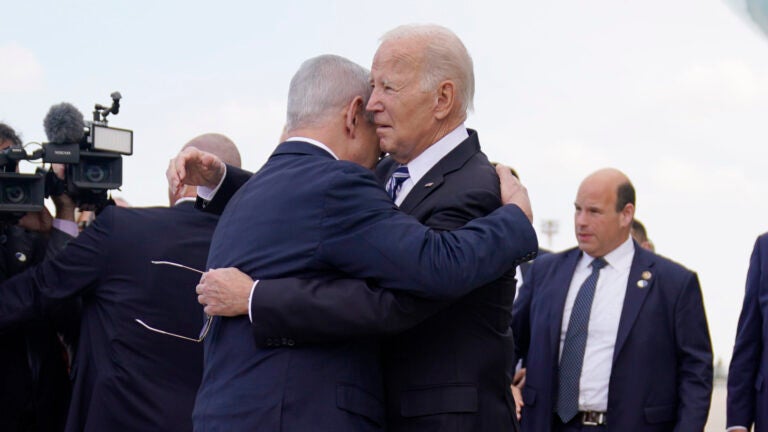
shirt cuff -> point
(250, 299)
(207, 193)
(66, 226)
(736, 427)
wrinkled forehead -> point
(402, 56)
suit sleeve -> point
(74, 270)
(325, 310)
(316, 310)
(375, 241)
(694, 358)
(747, 350)
(233, 180)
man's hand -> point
(517, 385)
(225, 292)
(513, 192)
(195, 168)
(40, 221)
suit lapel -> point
(561, 285)
(433, 179)
(641, 280)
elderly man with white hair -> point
(446, 363)
(307, 214)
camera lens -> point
(95, 173)
(15, 194)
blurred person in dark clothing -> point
(34, 383)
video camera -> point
(91, 151)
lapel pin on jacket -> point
(429, 185)
(646, 275)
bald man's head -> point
(218, 145)
(605, 207)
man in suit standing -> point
(306, 214)
(614, 336)
(451, 371)
(127, 377)
(747, 401)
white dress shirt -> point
(603, 322)
(429, 158)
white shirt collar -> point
(619, 258)
(184, 199)
(314, 142)
(432, 154)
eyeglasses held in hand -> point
(208, 318)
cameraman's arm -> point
(64, 225)
(61, 229)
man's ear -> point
(446, 99)
(354, 115)
(627, 215)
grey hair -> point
(322, 85)
(445, 57)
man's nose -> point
(374, 103)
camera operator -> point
(139, 360)
(34, 382)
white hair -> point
(322, 85)
(445, 58)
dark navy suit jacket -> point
(661, 377)
(448, 372)
(305, 214)
(747, 395)
(34, 383)
(127, 378)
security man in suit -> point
(128, 377)
(451, 372)
(615, 337)
(747, 400)
(306, 214)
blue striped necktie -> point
(395, 182)
(572, 357)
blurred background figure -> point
(83, 218)
(641, 236)
(747, 395)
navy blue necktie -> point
(572, 357)
(395, 182)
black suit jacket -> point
(126, 377)
(447, 373)
(34, 383)
(305, 214)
